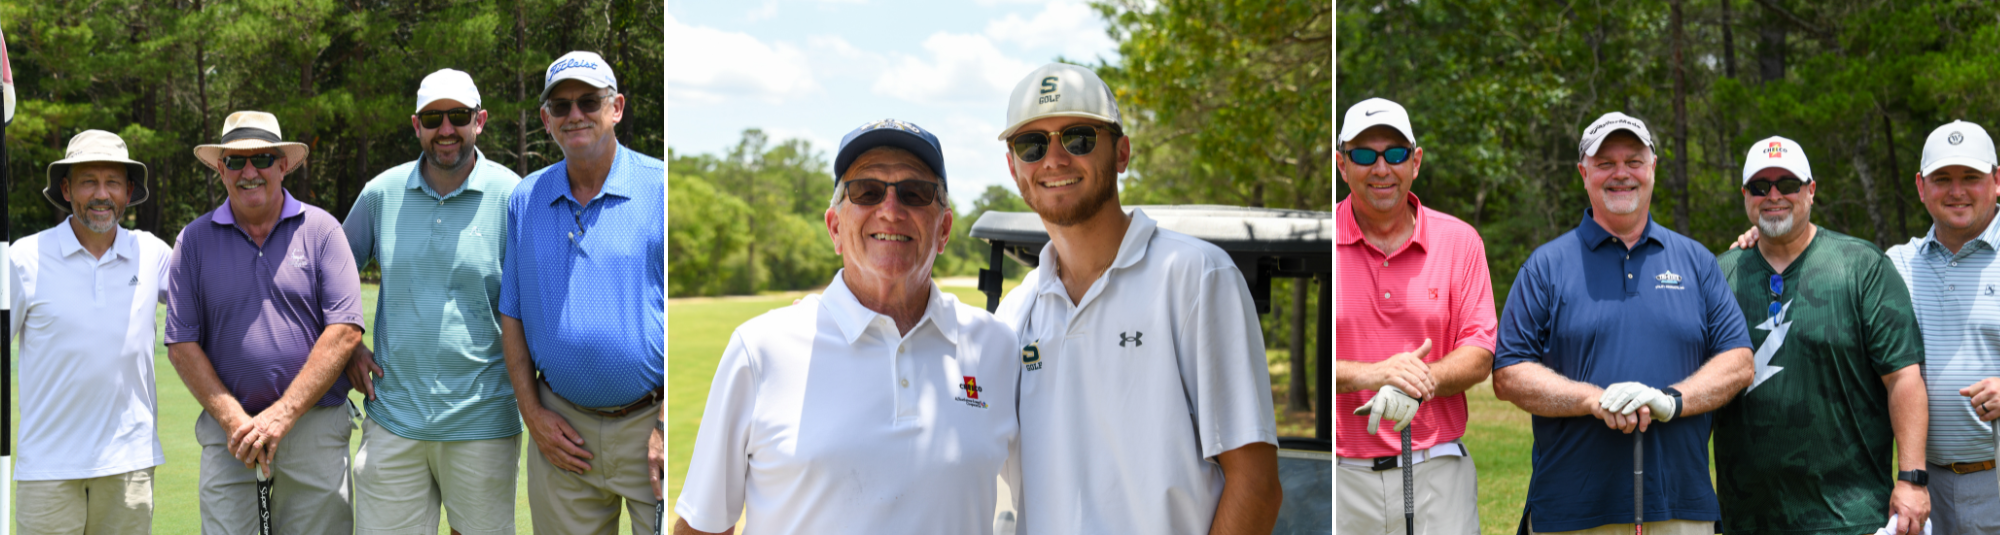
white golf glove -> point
(1891, 528)
(1625, 398)
(1390, 403)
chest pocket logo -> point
(1031, 356)
(299, 258)
(1134, 339)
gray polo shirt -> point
(1957, 299)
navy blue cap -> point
(890, 133)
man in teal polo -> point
(442, 426)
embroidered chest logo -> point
(135, 282)
(1031, 356)
(1989, 289)
(971, 391)
(1668, 280)
(1134, 339)
(1434, 293)
(299, 258)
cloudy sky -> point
(816, 69)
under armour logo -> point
(1134, 339)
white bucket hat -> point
(95, 146)
(250, 130)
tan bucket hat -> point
(95, 146)
(250, 130)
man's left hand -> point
(1626, 398)
(256, 442)
(1985, 396)
(1912, 504)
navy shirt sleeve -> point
(1524, 323)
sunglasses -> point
(589, 105)
(1777, 291)
(260, 161)
(435, 118)
(1078, 140)
(1787, 185)
(870, 192)
(1393, 155)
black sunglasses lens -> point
(589, 105)
(1790, 185)
(233, 162)
(559, 108)
(1031, 147)
(914, 193)
(263, 161)
(1396, 155)
(867, 192)
(1079, 140)
(459, 117)
(430, 119)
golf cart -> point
(1265, 243)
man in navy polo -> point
(1608, 328)
(583, 311)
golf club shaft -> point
(1639, 482)
(1409, 494)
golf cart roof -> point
(1236, 229)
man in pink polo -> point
(1415, 330)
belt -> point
(1967, 468)
(1392, 462)
(646, 401)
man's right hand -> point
(1389, 403)
(559, 442)
(1747, 240)
(1406, 371)
(1624, 423)
(362, 371)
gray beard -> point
(1777, 228)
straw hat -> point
(250, 130)
(95, 146)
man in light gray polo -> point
(442, 427)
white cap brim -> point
(1967, 161)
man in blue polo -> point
(582, 299)
(1608, 328)
(442, 429)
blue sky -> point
(816, 69)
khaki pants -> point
(1447, 498)
(311, 492)
(569, 503)
(1664, 527)
(113, 504)
(399, 483)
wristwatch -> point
(661, 425)
(1915, 477)
(1677, 400)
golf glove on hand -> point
(1624, 398)
(1389, 403)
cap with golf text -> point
(891, 133)
(1059, 90)
(1776, 151)
(1376, 112)
(1594, 135)
(1959, 143)
(586, 67)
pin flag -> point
(6, 80)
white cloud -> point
(973, 158)
(960, 69)
(713, 66)
(1073, 28)
(768, 10)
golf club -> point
(263, 500)
(1638, 482)
(1409, 501)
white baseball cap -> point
(1059, 90)
(1776, 151)
(1595, 134)
(586, 67)
(447, 84)
(1376, 112)
(1959, 143)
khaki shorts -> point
(568, 503)
(117, 503)
(311, 492)
(399, 483)
(1447, 498)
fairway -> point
(176, 508)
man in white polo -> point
(1145, 397)
(83, 295)
(882, 406)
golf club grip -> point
(1409, 493)
(660, 517)
(1639, 482)
(263, 500)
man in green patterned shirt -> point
(442, 427)
(1838, 390)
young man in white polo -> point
(83, 295)
(1143, 364)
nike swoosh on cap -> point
(1372, 113)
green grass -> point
(176, 503)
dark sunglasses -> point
(1777, 291)
(435, 118)
(589, 105)
(260, 161)
(870, 192)
(1393, 155)
(1078, 140)
(1787, 185)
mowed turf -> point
(176, 501)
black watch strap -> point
(1677, 399)
(1915, 477)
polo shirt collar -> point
(417, 182)
(224, 216)
(1131, 249)
(1990, 236)
(67, 244)
(1350, 224)
(615, 184)
(853, 319)
(1594, 235)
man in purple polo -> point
(263, 308)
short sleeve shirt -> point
(1588, 308)
(1129, 394)
(257, 311)
(823, 419)
(437, 337)
(589, 282)
(1957, 299)
(1807, 448)
(1435, 287)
